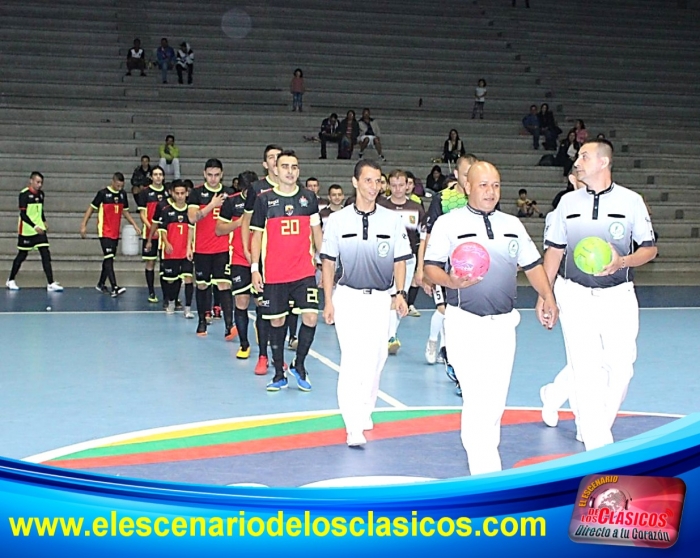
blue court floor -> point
(93, 367)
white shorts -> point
(410, 270)
(370, 138)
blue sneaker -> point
(458, 390)
(450, 372)
(277, 385)
(302, 384)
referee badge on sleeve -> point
(383, 249)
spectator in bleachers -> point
(185, 61)
(330, 132)
(141, 177)
(170, 156)
(136, 59)
(479, 99)
(435, 181)
(166, 58)
(297, 88)
(526, 207)
(548, 127)
(568, 151)
(581, 132)
(370, 136)
(349, 132)
(453, 148)
(531, 123)
(413, 190)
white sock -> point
(442, 331)
(436, 325)
(393, 323)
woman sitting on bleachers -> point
(548, 127)
(453, 148)
(568, 151)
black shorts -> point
(241, 282)
(212, 268)
(172, 270)
(32, 242)
(109, 246)
(151, 254)
(299, 296)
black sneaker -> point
(202, 328)
(116, 291)
(103, 289)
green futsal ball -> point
(592, 254)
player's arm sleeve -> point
(226, 211)
(259, 217)
(125, 199)
(555, 234)
(402, 246)
(141, 200)
(23, 202)
(249, 200)
(642, 229)
(434, 211)
(97, 200)
(528, 255)
(330, 249)
(438, 250)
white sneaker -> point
(54, 287)
(170, 309)
(431, 352)
(356, 439)
(188, 313)
(11, 285)
(413, 312)
(550, 416)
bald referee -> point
(480, 318)
(372, 245)
(599, 313)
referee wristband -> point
(254, 268)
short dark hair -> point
(213, 164)
(158, 167)
(188, 183)
(288, 153)
(482, 79)
(334, 115)
(271, 147)
(601, 141)
(362, 163)
(169, 136)
(119, 177)
(335, 187)
(310, 179)
(410, 175)
(301, 73)
(522, 191)
(177, 183)
(36, 173)
(145, 157)
(246, 179)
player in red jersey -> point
(269, 181)
(229, 223)
(211, 252)
(286, 226)
(148, 200)
(110, 203)
(177, 238)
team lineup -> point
(278, 243)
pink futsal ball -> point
(470, 260)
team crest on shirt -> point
(180, 218)
(412, 219)
(617, 230)
(303, 202)
(513, 248)
(383, 249)
(289, 210)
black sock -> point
(226, 299)
(263, 328)
(46, 263)
(109, 268)
(240, 317)
(103, 274)
(175, 290)
(217, 296)
(412, 294)
(277, 345)
(291, 324)
(189, 291)
(203, 302)
(150, 280)
(19, 259)
(306, 337)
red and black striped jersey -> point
(110, 205)
(205, 240)
(287, 248)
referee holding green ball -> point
(599, 312)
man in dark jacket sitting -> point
(329, 133)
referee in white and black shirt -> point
(480, 318)
(371, 244)
(599, 313)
